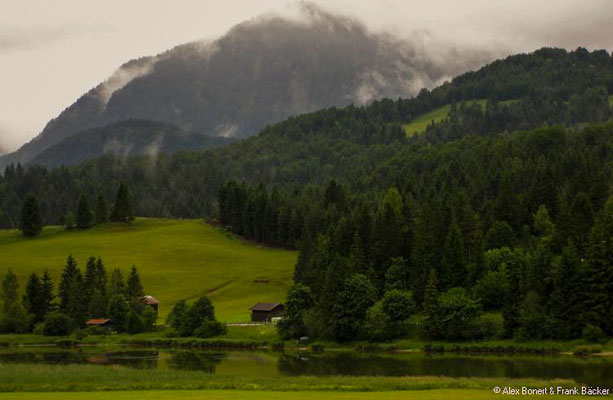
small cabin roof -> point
(264, 306)
(98, 321)
(150, 300)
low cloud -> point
(124, 75)
(15, 38)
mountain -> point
(125, 138)
(260, 72)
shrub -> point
(135, 323)
(377, 324)
(398, 305)
(57, 324)
(38, 328)
(210, 328)
(490, 326)
(593, 334)
(492, 288)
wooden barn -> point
(264, 312)
(99, 322)
(151, 302)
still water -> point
(594, 371)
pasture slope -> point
(420, 123)
(177, 259)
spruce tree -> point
(431, 326)
(134, 287)
(66, 282)
(564, 304)
(97, 307)
(122, 211)
(91, 278)
(102, 210)
(32, 299)
(453, 267)
(85, 217)
(117, 285)
(597, 275)
(47, 293)
(101, 279)
(31, 221)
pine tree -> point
(564, 304)
(597, 275)
(68, 273)
(431, 325)
(10, 286)
(453, 267)
(85, 217)
(77, 304)
(47, 293)
(101, 279)
(91, 278)
(102, 209)
(134, 286)
(97, 307)
(31, 221)
(32, 299)
(117, 285)
(122, 211)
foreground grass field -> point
(444, 394)
(177, 259)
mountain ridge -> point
(260, 72)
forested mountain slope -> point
(125, 138)
(260, 72)
(347, 143)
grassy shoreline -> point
(264, 337)
(85, 378)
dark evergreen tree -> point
(47, 293)
(101, 279)
(68, 282)
(117, 285)
(91, 278)
(85, 217)
(33, 299)
(102, 209)
(31, 221)
(134, 287)
(564, 302)
(122, 211)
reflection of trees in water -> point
(591, 372)
(196, 360)
(140, 359)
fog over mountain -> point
(260, 72)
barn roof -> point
(150, 300)
(264, 306)
(97, 321)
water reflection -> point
(591, 370)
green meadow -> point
(440, 394)
(419, 124)
(177, 259)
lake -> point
(594, 371)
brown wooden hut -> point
(264, 312)
(151, 302)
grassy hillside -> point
(420, 123)
(176, 259)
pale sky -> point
(51, 52)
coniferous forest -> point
(494, 222)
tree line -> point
(78, 298)
(517, 226)
(31, 221)
(549, 86)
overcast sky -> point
(51, 52)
